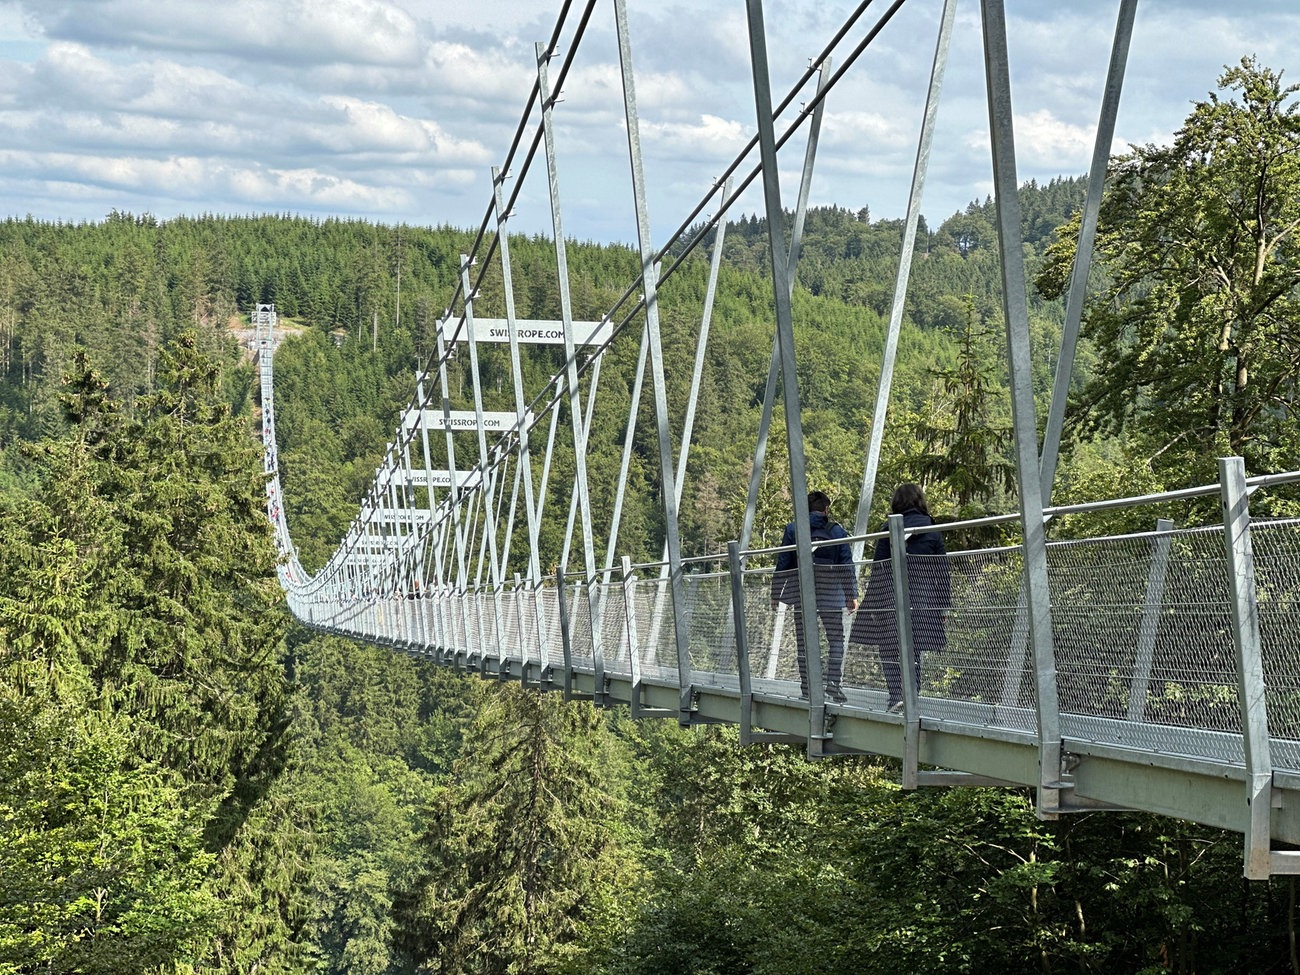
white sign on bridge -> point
(437, 420)
(537, 332)
(403, 516)
(419, 477)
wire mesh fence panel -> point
(410, 619)
(532, 625)
(771, 640)
(496, 619)
(613, 631)
(453, 617)
(383, 617)
(578, 600)
(467, 630)
(507, 608)
(550, 638)
(480, 625)
(979, 665)
(402, 617)
(343, 614)
(429, 621)
(1192, 686)
(433, 622)
(392, 611)
(1099, 602)
(655, 627)
(448, 611)
(474, 622)
(636, 616)
(710, 623)
(488, 624)
(757, 620)
(867, 629)
(773, 615)
(435, 609)
(1276, 545)
(523, 627)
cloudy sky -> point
(395, 110)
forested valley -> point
(191, 782)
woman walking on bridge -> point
(929, 592)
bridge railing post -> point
(1259, 860)
(598, 592)
(517, 607)
(742, 640)
(542, 633)
(909, 664)
(565, 635)
(630, 634)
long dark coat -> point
(929, 588)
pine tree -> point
(523, 855)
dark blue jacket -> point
(833, 570)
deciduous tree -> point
(1200, 245)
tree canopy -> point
(1199, 248)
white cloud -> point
(15, 24)
(374, 128)
(708, 138)
(367, 31)
(399, 107)
(1042, 139)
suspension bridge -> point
(1157, 671)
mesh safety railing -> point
(1277, 581)
(1142, 627)
(1142, 631)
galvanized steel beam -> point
(571, 372)
(789, 374)
(1016, 309)
(1083, 252)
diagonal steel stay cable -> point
(809, 72)
(804, 113)
(553, 388)
(721, 180)
(579, 33)
(754, 173)
(551, 47)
